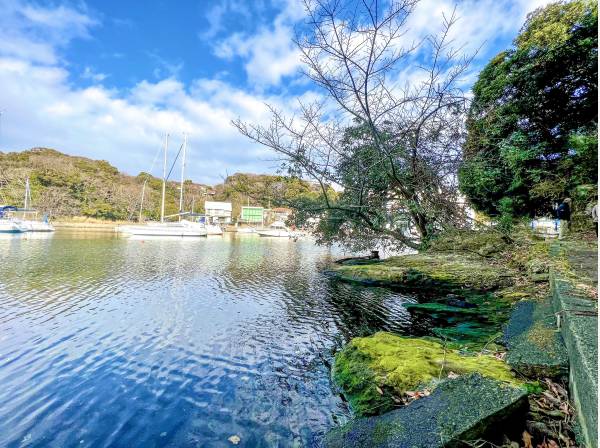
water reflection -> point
(121, 342)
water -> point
(109, 341)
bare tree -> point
(391, 143)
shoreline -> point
(108, 226)
(523, 328)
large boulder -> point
(428, 269)
(374, 372)
(459, 410)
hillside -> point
(67, 186)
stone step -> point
(459, 410)
(535, 346)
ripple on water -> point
(113, 342)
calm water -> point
(109, 341)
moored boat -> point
(183, 228)
(11, 226)
(277, 229)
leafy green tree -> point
(532, 125)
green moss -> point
(421, 270)
(482, 242)
(372, 371)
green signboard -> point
(252, 214)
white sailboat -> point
(33, 225)
(180, 228)
(11, 226)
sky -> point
(106, 79)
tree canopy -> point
(532, 124)
(391, 143)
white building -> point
(218, 211)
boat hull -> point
(37, 226)
(162, 230)
(11, 227)
(274, 233)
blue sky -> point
(106, 79)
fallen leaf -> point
(234, 439)
(527, 440)
(379, 390)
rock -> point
(374, 371)
(459, 410)
(441, 308)
(539, 278)
(444, 271)
(535, 347)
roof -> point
(213, 205)
(282, 210)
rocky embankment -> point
(490, 361)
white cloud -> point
(35, 33)
(480, 22)
(42, 107)
(89, 73)
(270, 53)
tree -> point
(532, 124)
(390, 145)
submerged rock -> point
(375, 371)
(459, 410)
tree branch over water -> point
(387, 131)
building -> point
(218, 212)
(252, 215)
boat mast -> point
(164, 185)
(182, 174)
(27, 194)
(142, 201)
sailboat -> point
(163, 228)
(33, 225)
(7, 224)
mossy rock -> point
(460, 412)
(482, 242)
(373, 371)
(450, 271)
